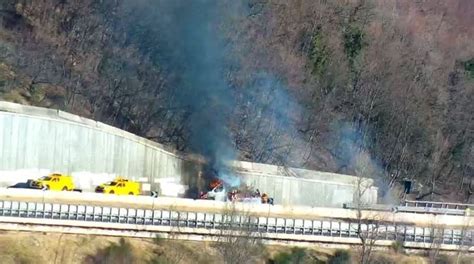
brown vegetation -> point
(42, 248)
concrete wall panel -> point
(36, 144)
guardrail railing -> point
(381, 230)
(440, 205)
(416, 207)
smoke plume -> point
(352, 149)
(194, 51)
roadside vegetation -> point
(42, 248)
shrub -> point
(120, 253)
(340, 257)
(296, 255)
(443, 259)
(318, 55)
(383, 259)
(353, 42)
(469, 67)
(157, 240)
(397, 247)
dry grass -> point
(14, 251)
(397, 258)
(39, 248)
(42, 248)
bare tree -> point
(464, 239)
(367, 221)
(437, 239)
(238, 241)
(367, 225)
(177, 255)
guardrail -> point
(430, 210)
(231, 221)
(415, 208)
(439, 205)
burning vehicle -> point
(218, 192)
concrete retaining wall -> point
(300, 186)
(292, 190)
(35, 141)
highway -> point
(27, 208)
(208, 206)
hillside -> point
(377, 88)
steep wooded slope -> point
(380, 88)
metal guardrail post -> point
(294, 226)
(404, 233)
(26, 210)
(77, 212)
(68, 212)
(424, 234)
(340, 229)
(414, 234)
(170, 215)
(349, 227)
(187, 219)
(44, 211)
(330, 227)
(213, 220)
(304, 227)
(452, 236)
